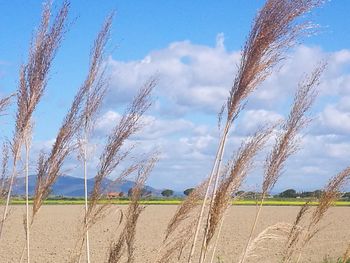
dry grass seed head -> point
(112, 154)
(274, 30)
(33, 76)
(295, 234)
(132, 215)
(277, 232)
(330, 194)
(95, 83)
(300, 236)
(186, 208)
(177, 244)
(236, 174)
(49, 169)
(287, 142)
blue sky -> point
(194, 47)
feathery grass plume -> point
(287, 142)
(295, 234)
(91, 93)
(127, 237)
(300, 236)
(236, 173)
(4, 171)
(274, 30)
(329, 195)
(4, 103)
(180, 227)
(112, 155)
(32, 84)
(177, 244)
(186, 208)
(96, 89)
(277, 232)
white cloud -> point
(194, 83)
(195, 80)
(335, 120)
(192, 76)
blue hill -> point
(70, 186)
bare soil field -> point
(53, 235)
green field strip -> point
(177, 202)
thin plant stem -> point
(217, 238)
(214, 168)
(216, 174)
(13, 175)
(86, 197)
(257, 215)
(27, 148)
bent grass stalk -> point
(287, 142)
(201, 214)
(92, 104)
(112, 155)
(33, 81)
(273, 32)
(330, 194)
(232, 178)
(216, 176)
(27, 147)
(127, 237)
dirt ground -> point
(54, 234)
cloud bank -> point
(194, 81)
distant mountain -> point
(70, 186)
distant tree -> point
(188, 191)
(346, 195)
(144, 193)
(121, 194)
(129, 192)
(239, 193)
(306, 194)
(167, 192)
(252, 195)
(317, 193)
(289, 193)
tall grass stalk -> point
(127, 237)
(86, 195)
(274, 31)
(329, 195)
(287, 142)
(33, 82)
(49, 167)
(232, 178)
(96, 90)
(211, 177)
(27, 147)
(111, 157)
